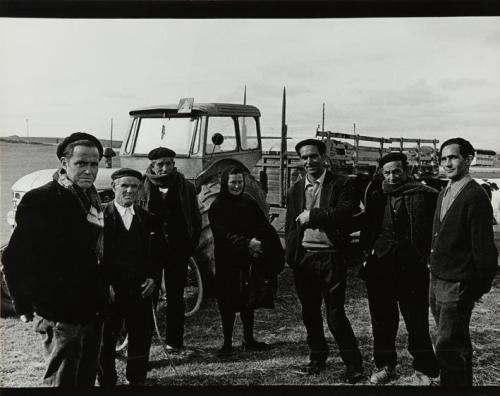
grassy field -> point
(21, 363)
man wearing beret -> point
(53, 264)
(132, 264)
(173, 199)
(318, 219)
(397, 231)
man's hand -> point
(303, 218)
(255, 247)
(147, 287)
(26, 318)
(111, 295)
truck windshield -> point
(176, 133)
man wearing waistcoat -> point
(463, 261)
(397, 232)
(173, 200)
(132, 263)
(319, 212)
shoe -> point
(419, 378)
(225, 350)
(255, 346)
(354, 374)
(383, 376)
(137, 382)
(313, 367)
(174, 350)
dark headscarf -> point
(224, 190)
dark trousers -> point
(175, 280)
(389, 291)
(318, 277)
(451, 306)
(228, 316)
(136, 314)
(71, 352)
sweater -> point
(463, 246)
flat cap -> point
(75, 137)
(311, 142)
(394, 156)
(123, 172)
(161, 152)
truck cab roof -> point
(210, 109)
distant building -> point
(484, 158)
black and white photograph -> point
(301, 201)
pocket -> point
(447, 292)
(68, 329)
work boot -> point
(255, 346)
(314, 367)
(383, 376)
(354, 374)
(225, 350)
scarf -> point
(407, 187)
(162, 181)
(90, 203)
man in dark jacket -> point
(172, 198)
(52, 263)
(132, 246)
(318, 217)
(397, 231)
(463, 261)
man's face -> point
(454, 165)
(312, 160)
(394, 172)
(163, 166)
(126, 190)
(235, 184)
(81, 168)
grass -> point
(21, 362)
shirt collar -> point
(319, 180)
(121, 209)
(456, 187)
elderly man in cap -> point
(318, 219)
(53, 263)
(397, 234)
(132, 265)
(173, 199)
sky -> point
(392, 77)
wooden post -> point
(283, 152)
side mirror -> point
(108, 154)
(217, 139)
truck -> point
(207, 138)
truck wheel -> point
(6, 301)
(193, 291)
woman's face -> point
(235, 184)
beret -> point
(311, 142)
(123, 172)
(161, 152)
(75, 137)
(394, 156)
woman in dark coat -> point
(244, 241)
